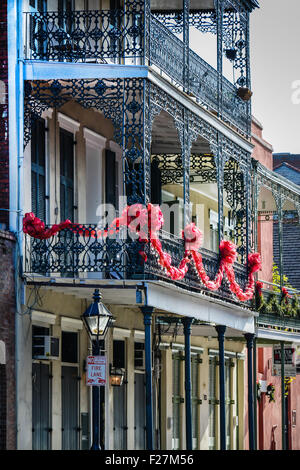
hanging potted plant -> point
(271, 392)
(244, 93)
(231, 53)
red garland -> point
(36, 228)
(148, 221)
(259, 286)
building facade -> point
(276, 327)
(111, 108)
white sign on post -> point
(96, 370)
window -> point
(119, 354)
(111, 179)
(66, 175)
(212, 403)
(214, 233)
(69, 347)
(37, 340)
(139, 362)
(228, 401)
(195, 399)
(177, 400)
(38, 169)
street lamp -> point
(97, 318)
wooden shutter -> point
(38, 169)
(176, 401)
(70, 410)
(66, 175)
(40, 406)
(111, 196)
(156, 183)
(212, 403)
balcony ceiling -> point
(165, 137)
(165, 5)
(175, 5)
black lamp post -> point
(97, 318)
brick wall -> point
(4, 156)
(7, 335)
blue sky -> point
(275, 65)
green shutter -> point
(66, 175)
(38, 169)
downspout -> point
(16, 156)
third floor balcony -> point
(158, 36)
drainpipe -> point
(221, 337)
(187, 325)
(15, 136)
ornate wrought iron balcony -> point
(277, 311)
(70, 254)
(111, 36)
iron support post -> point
(147, 312)
(186, 45)
(187, 323)
(250, 339)
(221, 338)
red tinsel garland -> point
(146, 223)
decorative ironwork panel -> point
(90, 35)
(121, 101)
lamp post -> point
(97, 318)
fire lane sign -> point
(96, 370)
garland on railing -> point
(146, 223)
(272, 304)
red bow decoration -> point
(228, 252)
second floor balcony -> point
(130, 36)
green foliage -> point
(276, 279)
(275, 305)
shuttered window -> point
(177, 400)
(228, 401)
(119, 399)
(66, 140)
(111, 179)
(212, 403)
(38, 169)
(195, 400)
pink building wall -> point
(263, 153)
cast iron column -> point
(187, 323)
(96, 404)
(250, 338)
(221, 336)
(186, 45)
(147, 311)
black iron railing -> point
(117, 37)
(81, 253)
